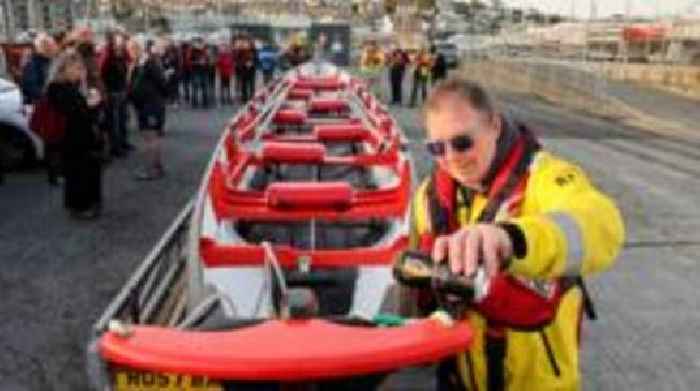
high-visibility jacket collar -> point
(515, 149)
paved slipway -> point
(58, 274)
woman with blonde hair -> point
(66, 93)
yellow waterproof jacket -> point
(570, 229)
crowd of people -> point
(425, 67)
(79, 95)
(80, 91)
(198, 66)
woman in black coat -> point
(81, 146)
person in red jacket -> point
(224, 66)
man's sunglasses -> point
(459, 144)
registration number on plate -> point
(149, 381)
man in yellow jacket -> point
(498, 201)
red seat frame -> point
(287, 351)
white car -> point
(18, 144)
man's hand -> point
(463, 247)
(94, 98)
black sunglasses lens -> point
(461, 143)
(436, 148)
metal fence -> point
(153, 294)
(577, 85)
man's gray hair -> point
(468, 90)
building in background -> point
(20, 16)
(6, 20)
(408, 25)
(56, 15)
(23, 17)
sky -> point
(608, 7)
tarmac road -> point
(58, 274)
(647, 335)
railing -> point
(568, 84)
(276, 275)
(153, 294)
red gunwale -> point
(216, 255)
(288, 351)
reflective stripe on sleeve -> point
(574, 242)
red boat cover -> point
(286, 351)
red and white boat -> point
(283, 272)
